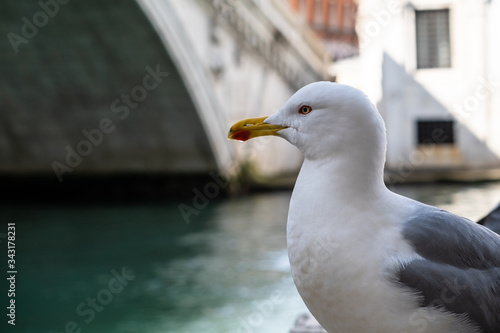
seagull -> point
(365, 259)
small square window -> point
(435, 132)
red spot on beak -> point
(241, 135)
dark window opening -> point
(433, 38)
(435, 132)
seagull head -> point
(323, 120)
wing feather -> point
(459, 269)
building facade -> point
(432, 69)
(333, 21)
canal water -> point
(143, 268)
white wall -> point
(468, 92)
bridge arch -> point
(148, 86)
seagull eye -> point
(305, 109)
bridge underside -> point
(93, 92)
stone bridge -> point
(149, 86)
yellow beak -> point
(247, 129)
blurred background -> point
(133, 211)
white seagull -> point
(363, 258)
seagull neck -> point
(346, 178)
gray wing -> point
(460, 266)
(492, 220)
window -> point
(433, 38)
(435, 132)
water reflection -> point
(241, 281)
(226, 271)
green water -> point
(225, 271)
